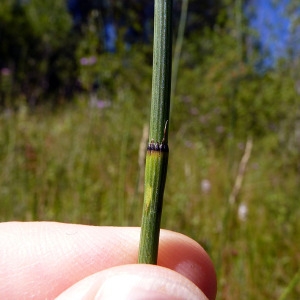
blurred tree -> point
(18, 52)
(37, 47)
(40, 39)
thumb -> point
(134, 282)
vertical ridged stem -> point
(157, 151)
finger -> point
(185, 256)
(46, 258)
(134, 282)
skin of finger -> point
(187, 257)
(46, 258)
(134, 282)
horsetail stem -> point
(157, 151)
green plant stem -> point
(157, 151)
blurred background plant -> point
(73, 109)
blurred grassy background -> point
(82, 161)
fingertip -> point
(185, 256)
(134, 282)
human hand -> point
(44, 260)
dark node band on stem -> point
(159, 147)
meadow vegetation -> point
(82, 161)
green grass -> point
(80, 164)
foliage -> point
(38, 58)
(41, 48)
(103, 72)
(228, 98)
